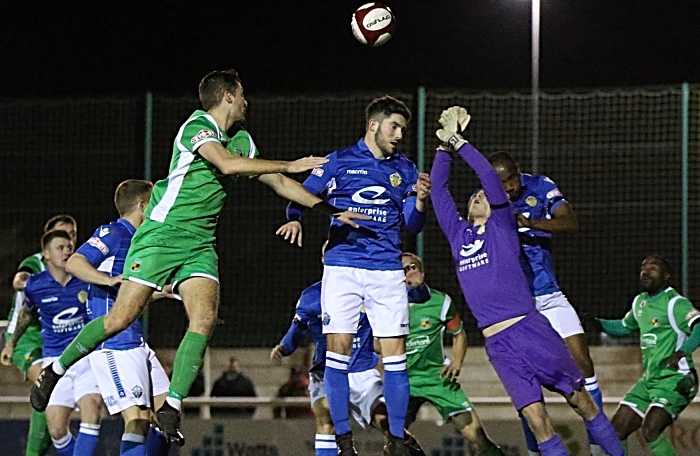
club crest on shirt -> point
(82, 296)
(326, 319)
(531, 201)
(136, 265)
(395, 179)
(655, 321)
(481, 230)
(425, 323)
(137, 391)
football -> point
(373, 24)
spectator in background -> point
(296, 386)
(233, 383)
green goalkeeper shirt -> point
(664, 323)
(32, 264)
(424, 343)
(193, 195)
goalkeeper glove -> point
(453, 120)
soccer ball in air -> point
(373, 24)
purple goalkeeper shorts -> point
(529, 355)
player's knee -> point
(58, 432)
(650, 433)
(90, 408)
(115, 323)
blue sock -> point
(396, 392)
(156, 444)
(604, 434)
(553, 447)
(338, 390)
(133, 445)
(87, 439)
(594, 390)
(65, 445)
(530, 439)
(325, 445)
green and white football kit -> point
(428, 322)
(28, 349)
(176, 241)
(664, 322)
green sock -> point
(492, 450)
(662, 447)
(625, 445)
(188, 360)
(39, 439)
(92, 335)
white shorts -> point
(560, 313)
(366, 392)
(127, 377)
(383, 293)
(77, 382)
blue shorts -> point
(530, 355)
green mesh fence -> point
(616, 155)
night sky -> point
(98, 47)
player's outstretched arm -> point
(294, 191)
(80, 267)
(243, 166)
(23, 321)
(563, 220)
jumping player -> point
(176, 242)
(542, 211)
(524, 349)
(363, 267)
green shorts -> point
(660, 392)
(161, 254)
(27, 352)
(447, 397)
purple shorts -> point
(529, 355)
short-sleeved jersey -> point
(486, 257)
(537, 201)
(33, 264)
(424, 343)
(193, 194)
(663, 321)
(308, 317)
(354, 180)
(61, 309)
(106, 251)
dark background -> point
(80, 48)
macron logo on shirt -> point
(471, 249)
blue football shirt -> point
(61, 309)
(106, 251)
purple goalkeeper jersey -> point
(486, 257)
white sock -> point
(174, 403)
(56, 366)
